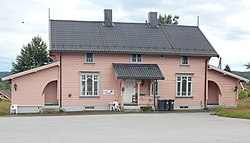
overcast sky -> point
(225, 23)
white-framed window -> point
(89, 84)
(89, 58)
(184, 85)
(184, 60)
(136, 58)
(155, 87)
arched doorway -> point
(213, 93)
(50, 94)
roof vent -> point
(152, 19)
(108, 17)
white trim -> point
(93, 76)
(30, 71)
(5, 95)
(191, 90)
(228, 73)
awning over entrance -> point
(138, 71)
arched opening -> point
(50, 94)
(213, 93)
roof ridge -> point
(120, 22)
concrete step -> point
(50, 108)
(131, 108)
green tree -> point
(168, 19)
(33, 55)
(5, 85)
(227, 68)
(247, 65)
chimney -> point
(108, 17)
(152, 19)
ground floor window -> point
(154, 88)
(89, 84)
(184, 85)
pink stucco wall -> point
(30, 87)
(227, 85)
(73, 64)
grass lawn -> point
(4, 107)
(241, 111)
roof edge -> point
(10, 77)
(228, 73)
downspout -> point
(60, 96)
(205, 85)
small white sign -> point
(108, 92)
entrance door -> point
(129, 90)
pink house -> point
(97, 62)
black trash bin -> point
(171, 104)
(166, 105)
(161, 104)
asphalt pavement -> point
(198, 127)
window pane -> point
(184, 60)
(156, 88)
(139, 58)
(95, 87)
(83, 77)
(178, 78)
(133, 58)
(184, 87)
(189, 79)
(189, 88)
(95, 77)
(83, 87)
(89, 86)
(178, 88)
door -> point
(129, 91)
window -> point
(89, 84)
(89, 58)
(155, 86)
(184, 85)
(184, 60)
(136, 58)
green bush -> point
(243, 94)
(4, 107)
(147, 109)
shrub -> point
(4, 107)
(147, 109)
(243, 94)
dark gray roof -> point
(130, 38)
(138, 71)
(6, 94)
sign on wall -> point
(108, 92)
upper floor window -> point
(184, 85)
(89, 58)
(136, 58)
(184, 60)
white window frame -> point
(84, 78)
(90, 60)
(136, 58)
(183, 61)
(152, 88)
(179, 81)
